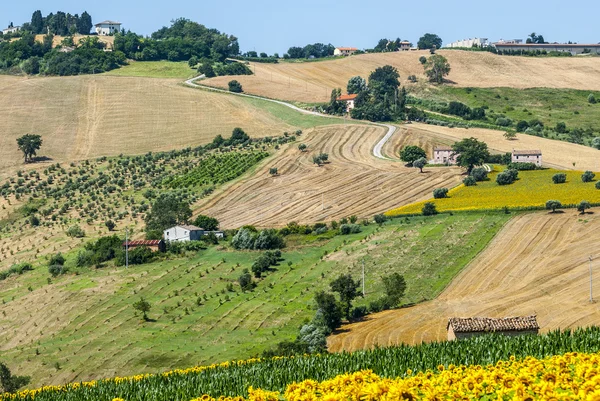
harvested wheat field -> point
(313, 81)
(354, 182)
(538, 264)
(88, 116)
(109, 41)
(557, 154)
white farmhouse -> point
(11, 29)
(184, 232)
(344, 51)
(444, 155)
(349, 100)
(108, 27)
(527, 156)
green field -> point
(531, 190)
(550, 106)
(89, 311)
(155, 69)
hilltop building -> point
(404, 46)
(475, 42)
(574, 49)
(11, 29)
(444, 155)
(459, 328)
(108, 28)
(344, 51)
(527, 156)
(349, 99)
(182, 233)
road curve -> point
(376, 149)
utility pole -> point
(591, 295)
(363, 276)
(127, 248)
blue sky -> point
(274, 26)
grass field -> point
(536, 265)
(313, 82)
(532, 189)
(155, 69)
(548, 105)
(90, 314)
(354, 182)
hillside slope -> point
(313, 81)
(538, 264)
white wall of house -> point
(343, 52)
(11, 30)
(444, 156)
(532, 158)
(108, 28)
(178, 233)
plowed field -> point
(538, 264)
(354, 182)
(313, 81)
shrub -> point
(522, 126)
(429, 209)
(380, 218)
(379, 305)
(245, 281)
(591, 99)
(596, 142)
(273, 171)
(57, 260)
(469, 181)
(440, 193)
(110, 225)
(235, 86)
(479, 174)
(346, 229)
(520, 166)
(75, 232)
(583, 206)
(422, 59)
(503, 122)
(57, 270)
(553, 205)
(588, 176)
(559, 178)
(358, 312)
(598, 185)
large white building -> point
(11, 29)
(479, 42)
(108, 27)
(344, 51)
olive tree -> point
(420, 163)
(436, 68)
(553, 205)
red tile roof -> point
(347, 97)
(486, 324)
(153, 242)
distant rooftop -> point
(527, 152)
(347, 97)
(108, 22)
(347, 48)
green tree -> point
(193, 62)
(110, 225)
(143, 306)
(411, 153)
(10, 383)
(588, 176)
(329, 310)
(596, 143)
(37, 22)
(235, 86)
(206, 68)
(436, 68)
(429, 41)
(559, 178)
(440, 193)
(380, 218)
(395, 287)
(592, 98)
(302, 147)
(583, 206)
(422, 60)
(335, 106)
(84, 24)
(347, 289)
(420, 163)
(273, 171)
(470, 153)
(356, 85)
(245, 281)
(510, 135)
(206, 222)
(29, 144)
(429, 209)
(553, 205)
(167, 210)
(57, 259)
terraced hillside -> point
(313, 81)
(538, 264)
(354, 182)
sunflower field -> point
(530, 192)
(564, 365)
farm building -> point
(475, 42)
(444, 155)
(344, 51)
(459, 328)
(188, 233)
(527, 156)
(11, 29)
(108, 27)
(404, 46)
(349, 99)
(574, 49)
(157, 245)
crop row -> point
(235, 378)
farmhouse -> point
(475, 42)
(444, 155)
(11, 29)
(459, 328)
(349, 99)
(157, 245)
(574, 49)
(188, 233)
(527, 156)
(404, 46)
(108, 27)
(344, 51)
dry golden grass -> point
(313, 81)
(88, 116)
(538, 264)
(557, 154)
(57, 40)
(353, 183)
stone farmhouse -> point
(184, 232)
(157, 245)
(349, 99)
(459, 328)
(108, 28)
(344, 51)
(443, 155)
(527, 156)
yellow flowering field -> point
(531, 190)
(571, 376)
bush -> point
(235, 86)
(75, 232)
(440, 193)
(596, 143)
(380, 218)
(379, 305)
(479, 174)
(358, 312)
(507, 177)
(591, 99)
(588, 176)
(522, 126)
(429, 209)
(503, 122)
(559, 178)
(553, 205)
(598, 185)
(520, 166)
(57, 270)
(583, 206)
(57, 260)
(469, 181)
(346, 229)
(422, 59)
